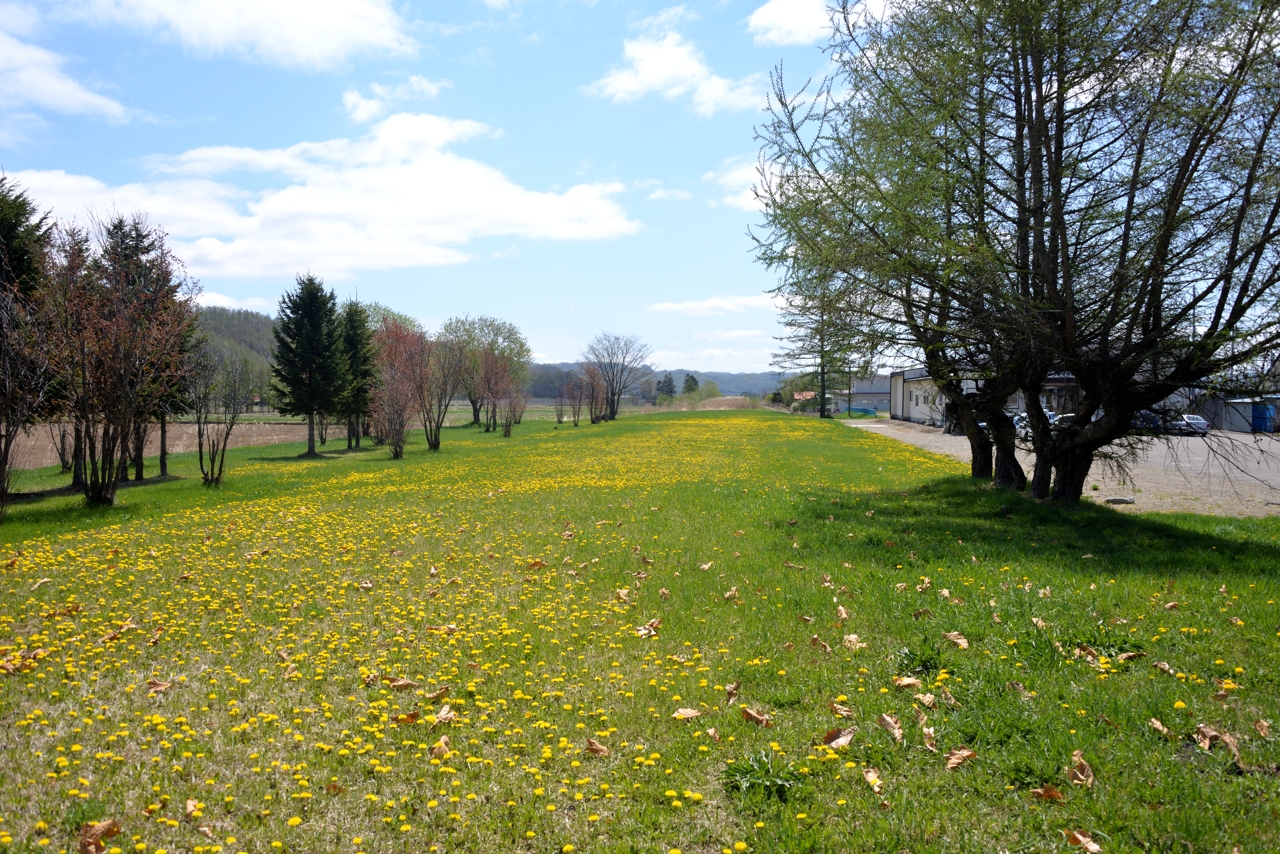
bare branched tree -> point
(220, 391)
(619, 360)
(438, 373)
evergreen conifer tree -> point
(357, 346)
(666, 386)
(309, 367)
(690, 383)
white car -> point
(1189, 425)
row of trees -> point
(611, 367)
(1010, 190)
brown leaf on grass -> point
(370, 679)
(205, 831)
(93, 836)
(1172, 606)
(731, 692)
(1130, 656)
(1082, 840)
(705, 566)
(907, 682)
(291, 670)
(839, 737)
(623, 595)
(664, 593)
(852, 643)
(192, 807)
(840, 711)
(1078, 772)
(805, 619)
(958, 639)
(440, 692)
(440, 749)
(685, 714)
(395, 683)
(731, 594)
(1159, 727)
(788, 645)
(1048, 792)
(334, 789)
(1263, 728)
(872, 776)
(650, 629)
(957, 756)
(1020, 688)
(1163, 667)
(445, 715)
(926, 732)
(927, 700)
(1235, 621)
(820, 644)
(841, 613)
(711, 731)
(757, 718)
(921, 614)
(595, 748)
(536, 563)
(1039, 623)
(409, 717)
(38, 584)
(110, 636)
(947, 698)
(890, 725)
(155, 686)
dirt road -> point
(1227, 474)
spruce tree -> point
(690, 383)
(666, 387)
(357, 346)
(309, 367)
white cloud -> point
(292, 33)
(738, 180)
(212, 298)
(712, 359)
(733, 335)
(362, 109)
(677, 195)
(660, 61)
(790, 22)
(394, 198)
(714, 305)
(32, 77)
(19, 19)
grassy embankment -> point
(276, 608)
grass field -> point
(276, 665)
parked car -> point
(1189, 425)
(1146, 421)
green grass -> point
(278, 605)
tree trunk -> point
(1042, 476)
(311, 434)
(350, 430)
(822, 389)
(164, 445)
(475, 410)
(1071, 469)
(77, 458)
(1008, 471)
(139, 448)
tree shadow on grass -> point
(954, 521)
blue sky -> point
(569, 166)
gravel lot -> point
(1224, 474)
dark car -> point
(1146, 420)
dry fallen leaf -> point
(705, 566)
(409, 717)
(958, 639)
(1163, 667)
(852, 643)
(1048, 792)
(872, 776)
(623, 595)
(840, 711)
(839, 737)
(1130, 656)
(1263, 728)
(192, 807)
(664, 593)
(438, 693)
(841, 613)
(446, 714)
(440, 749)
(93, 835)
(1159, 727)
(757, 718)
(926, 732)
(1020, 688)
(711, 731)
(685, 714)
(907, 682)
(890, 725)
(820, 644)
(947, 698)
(1082, 840)
(927, 700)
(595, 748)
(1079, 773)
(731, 594)
(957, 756)
(731, 692)
(398, 683)
(155, 686)
(1172, 606)
(1039, 623)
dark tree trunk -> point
(311, 434)
(475, 410)
(139, 448)
(1008, 471)
(822, 389)
(1071, 468)
(359, 430)
(164, 445)
(1042, 476)
(77, 458)
(350, 429)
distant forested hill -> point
(545, 377)
(242, 334)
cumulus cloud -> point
(32, 77)
(394, 198)
(293, 33)
(737, 180)
(661, 61)
(677, 195)
(790, 22)
(212, 298)
(382, 98)
(713, 359)
(732, 335)
(714, 305)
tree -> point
(24, 372)
(1009, 190)
(595, 393)
(438, 372)
(357, 346)
(562, 396)
(399, 360)
(219, 385)
(508, 352)
(120, 311)
(309, 370)
(619, 361)
(690, 384)
(666, 387)
(576, 391)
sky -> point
(573, 167)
